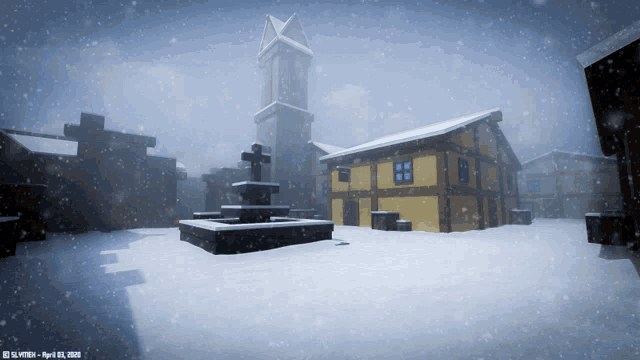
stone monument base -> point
(206, 215)
(231, 236)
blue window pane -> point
(407, 165)
(407, 176)
(399, 177)
(398, 167)
(533, 186)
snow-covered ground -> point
(525, 292)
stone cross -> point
(257, 158)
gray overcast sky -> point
(187, 73)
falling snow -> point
(507, 292)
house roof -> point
(326, 147)
(424, 132)
(610, 45)
(556, 151)
(45, 145)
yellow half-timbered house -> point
(455, 175)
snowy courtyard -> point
(525, 292)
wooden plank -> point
(503, 206)
(330, 195)
(479, 197)
(515, 177)
(353, 194)
(412, 191)
(374, 187)
(447, 199)
(465, 190)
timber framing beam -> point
(447, 198)
(374, 188)
(503, 205)
(479, 198)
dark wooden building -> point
(96, 178)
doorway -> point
(493, 213)
(350, 211)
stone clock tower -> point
(284, 123)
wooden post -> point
(501, 185)
(478, 167)
(374, 187)
(447, 191)
(330, 192)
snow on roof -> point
(295, 44)
(610, 45)
(277, 23)
(556, 151)
(280, 27)
(47, 146)
(424, 132)
(326, 147)
(181, 170)
(268, 109)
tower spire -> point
(283, 122)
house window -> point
(463, 171)
(344, 174)
(509, 182)
(599, 186)
(403, 172)
(325, 188)
(533, 186)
